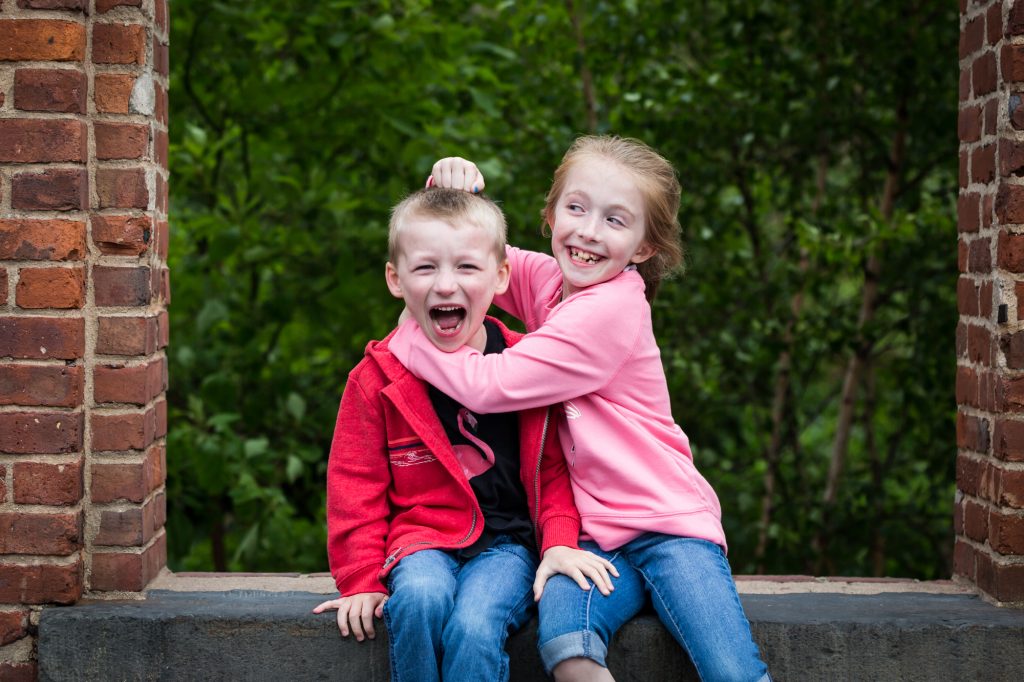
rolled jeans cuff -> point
(583, 644)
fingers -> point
(379, 611)
(540, 581)
(330, 604)
(456, 173)
(366, 620)
(343, 621)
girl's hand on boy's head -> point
(456, 173)
(356, 613)
(577, 564)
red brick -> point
(49, 483)
(972, 433)
(113, 286)
(163, 329)
(137, 384)
(1010, 204)
(983, 164)
(964, 174)
(3, 484)
(160, 148)
(165, 285)
(968, 210)
(967, 297)
(13, 624)
(30, 140)
(52, 190)
(162, 239)
(979, 256)
(1011, 157)
(969, 472)
(41, 40)
(988, 387)
(1011, 252)
(43, 386)
(53, 4)
(972, 37)
(961, 340)
(130, 481)
(3, 286)
(964, 560)
(40, 534)
(121, 235)
(1010, 394)
(1008, 440)
(40, 432)
(128, 572)
(958, 517)
(154, 515)
(1012, 61)
(975, 521)
(161, 103)
(161, 194)
(118, 44)
(160, 409)
(965, 83)
(985, 299)
(31, 239)
(966, 386)
(991, 116)
(40, 583)
(969, 124)
(994, 23)
(23, 671)
(161, 60)
(127, 335)
(979, 345)
(112, 92)
(51, 288)
(987, 205)
(122, 188)
(160, 15)
(1006, 532)
(1003, 581)
(984, 74)
(61, 90)
(120, 528)
(126, 431)
(121, 140)
(1015, 25)
(107, 5)
(37, 338)
(1009, 487)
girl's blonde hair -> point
(657, 181)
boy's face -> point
(447, 278)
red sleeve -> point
(559, 519)
(357, 482)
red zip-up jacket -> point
(394, 485)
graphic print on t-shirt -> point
(473, 460)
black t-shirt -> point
(497, 487)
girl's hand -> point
(456, 173)
(355, 613)
(578, 565)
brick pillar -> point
(83, 292)
(989, 512)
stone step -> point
(263, 635)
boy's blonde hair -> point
(455, 207)
(657, 181)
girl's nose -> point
(586, 228)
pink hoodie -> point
(630, 463)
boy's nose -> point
(444, 283)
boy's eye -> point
(468, 266)
(423, 268)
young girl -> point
(612, 210)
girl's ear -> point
(644, 252)
(391, 277)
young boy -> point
(435, 515)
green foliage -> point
(295, 127)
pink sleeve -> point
(578, 350)
(530, 271)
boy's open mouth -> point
(447, 319)
(585, 257)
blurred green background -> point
(809, 347)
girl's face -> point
(597, 224)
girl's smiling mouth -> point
(584, 257)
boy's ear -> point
(391, 276)
(504, 276)
(643, 253)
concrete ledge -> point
(258, 634)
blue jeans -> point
(448, 618)
(691, 587)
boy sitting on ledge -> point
(436, 515)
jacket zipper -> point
(536, 479)
(394, 555)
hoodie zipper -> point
(394, 555)
(536, 478)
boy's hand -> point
(579, 565)
(355, 613)
(456, 173)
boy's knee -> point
(420, 595)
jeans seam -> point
(668, 610)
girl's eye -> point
(615, 220)
(575, 208)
